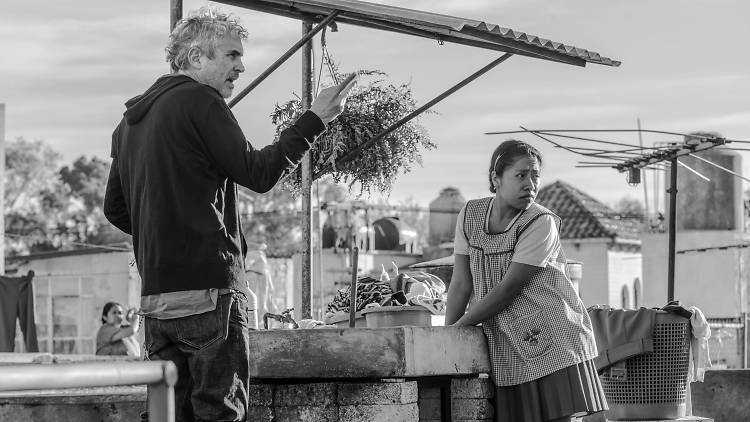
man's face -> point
(226, 66)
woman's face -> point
(519, 183)
(114, 316)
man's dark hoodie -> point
(178, 154)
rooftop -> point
(583, 217)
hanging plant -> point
(373, 105)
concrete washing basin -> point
(398, 352)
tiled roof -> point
(429, 25)
(583, 217)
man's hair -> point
(203, 29)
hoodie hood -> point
(138, 106)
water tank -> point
(393, 235)
(714, 205)
(443, 213)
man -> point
(178, 155)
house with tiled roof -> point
(607, 243)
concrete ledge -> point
(136, 393)
(723, 395)
(368, 353)
(104, 412)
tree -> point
(52, 208)
(34, 196)
(87, 179)
(628, 206)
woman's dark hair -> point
(107, 307)
(507, 153)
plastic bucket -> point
(397, 316)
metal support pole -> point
(672, 226)
(745, 331)
(307, 92)
(353, 153)
(175, 13)
(354, 258)
(2, 188)
(160, 402)
(284, 57)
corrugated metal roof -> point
(583, 217)
(443, 28)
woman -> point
(508, 258)
(113, 338)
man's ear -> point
(194, 57)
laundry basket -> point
(653, 385)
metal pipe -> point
(353, 286)
(77, 375)
(160, 376)
(175, 13)
(307, 36)
(672, 226)
(415, 113)
(711, 163)
(2, 187)
(307, 87)
(160, 402)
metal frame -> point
(694, 145)
(160, 376)
(395, 23)
(670, 153)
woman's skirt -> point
(574, 391)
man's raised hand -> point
(330, 101)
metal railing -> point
(159, 376)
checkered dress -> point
(546, 327)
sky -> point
(68, 67)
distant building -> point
(607, 244)
(70, 289)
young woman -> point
(509, 261)
(113, 338)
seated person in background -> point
(113, 338)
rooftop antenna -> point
(626, 161)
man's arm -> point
(260, 170)
(256, 169)
(115, 208)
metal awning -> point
(439, 27)
(411, 22)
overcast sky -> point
(68, 67)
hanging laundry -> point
(17, 301)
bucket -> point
(397, 316)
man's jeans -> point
(211, 353)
